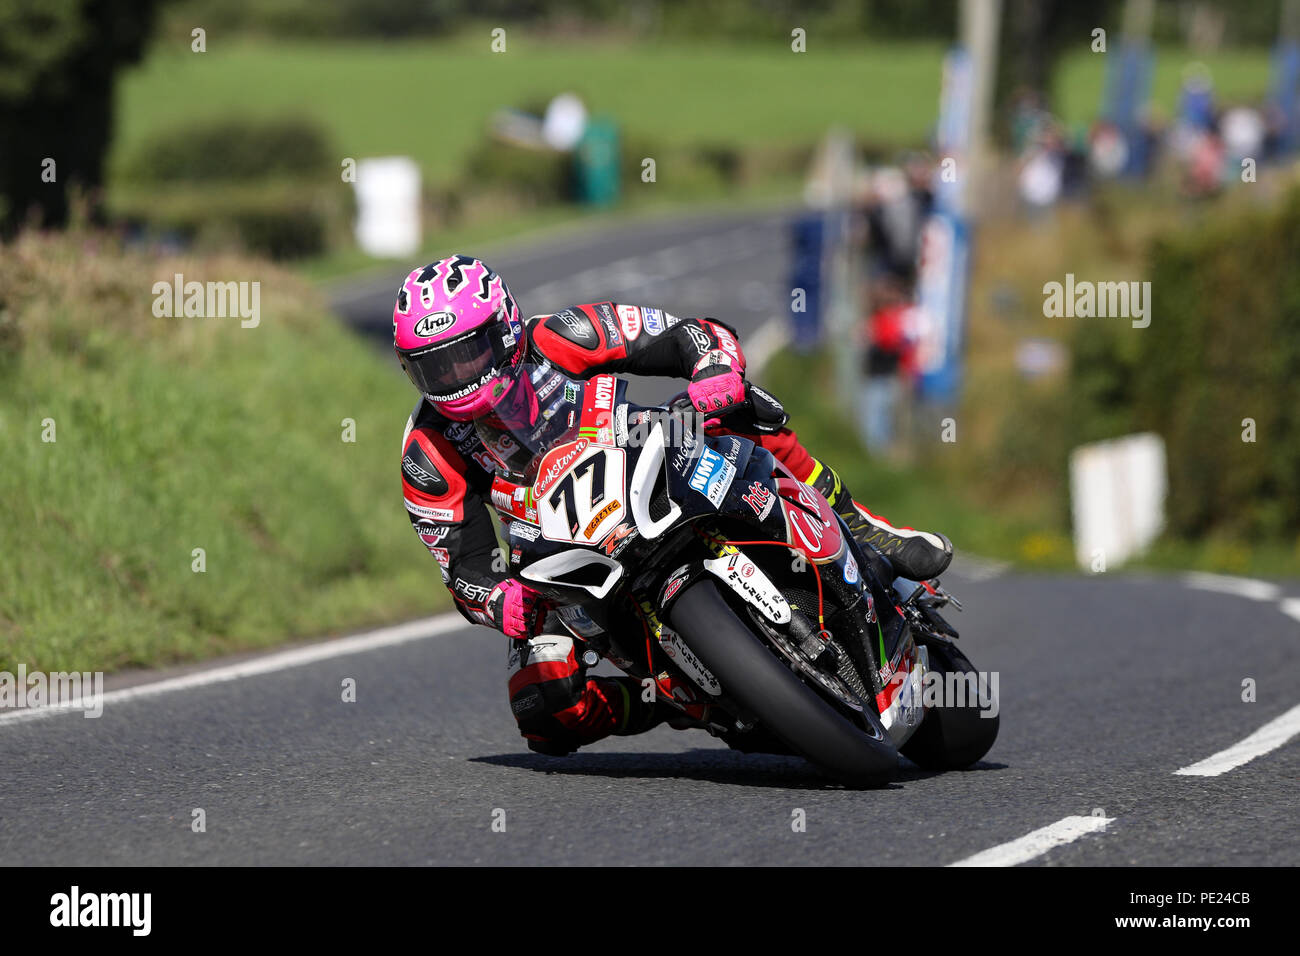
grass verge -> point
(177, 434)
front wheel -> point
(756, 679)
(952, 737)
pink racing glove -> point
(512, 606)
(716, 387)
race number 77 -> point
(564, 491)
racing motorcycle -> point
(695, 561)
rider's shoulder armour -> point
(579, 338)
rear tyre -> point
(755, 678)
(951, 738)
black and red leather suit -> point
(447, 477)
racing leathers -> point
(447, 477)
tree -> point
(58, 63)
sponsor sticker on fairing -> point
(674, 584)
(620, 425)
(748, 580)
(760, 499)
(555, 463)
(685, 658)
(712, 476)
(529, 532)
(618, 539)
(604, 393)
(601, 515)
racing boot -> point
(638, 715)
(919, 555)
(627, 714)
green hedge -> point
(234, 148)
(281, 219)
(1223, 346)
(271, 186)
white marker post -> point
(388, 207)
(1117, 495)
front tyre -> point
(755, 678)
(951, 737)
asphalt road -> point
(1108, 685)
(733, 267)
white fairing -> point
(644, 476)
(557, 565)
(905, 712)
(748, 580)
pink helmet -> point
(457, 333)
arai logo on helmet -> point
(435, 323)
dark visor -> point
(452, 369)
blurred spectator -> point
(1203, 165)
(898, 203)
(1108, 150)
(1028, 118)
(1196, 97)
(1042, 172)
(1074, 165)
(888, 362)
(1243, 132)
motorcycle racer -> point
(461, 341)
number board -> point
(580, 492)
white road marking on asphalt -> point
(978, 569)
(1269, 737)
(1226, 584)
(770, 338)
(355, 644)
(1037, 843)
(1290, 607)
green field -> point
(432, 101)
(1240, 76)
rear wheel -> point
(756, 679)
